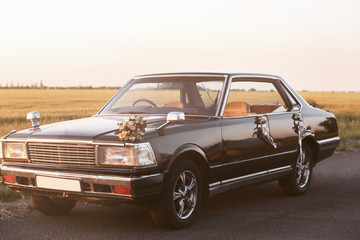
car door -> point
(282, 127)
(257, 129)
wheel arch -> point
(198, 156)
(310, 140)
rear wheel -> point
(52, 206)
(299, 180)
(181, 198)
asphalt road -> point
(331, 210)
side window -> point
(292, 100)
(249, 98)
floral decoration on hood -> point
(131, 129)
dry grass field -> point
(65, 104)
(53, 104)
(346, 107)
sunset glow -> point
(313, 45)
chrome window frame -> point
(269, 78)
(224, 87)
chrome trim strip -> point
(278, 113)
(255, 76)
(147, 176)
(154, 115)
(258, 114)
(59, 145)
(223, 183)
(139, 145)
(229, 181)
(224, 97)
(109, 144)
(246, 116)
(97, 155)
(213, 185)
(181, 75)
(288, 167)
(106, 194)
(61, 174)
(87, 193)
(49, 141)
(157, 114)
(120, 144)
(256, 158)
(329, 140)
(77, 175)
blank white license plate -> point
(58, 183)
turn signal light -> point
(121, 190)
(9, 179)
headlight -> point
(14, 150)
(137, 155)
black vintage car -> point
(180, 138)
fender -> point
(309, 136)
(183, 149)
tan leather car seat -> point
(235, 109)
(174, 104)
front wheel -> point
(52, 206)
(181, 198)
(299, 180)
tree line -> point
(41, 85)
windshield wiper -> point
(134, 112)
(206, 90)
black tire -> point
(181, 198)
(299, 180)
(56, 206)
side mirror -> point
(295, 108)
(172, 117)
(34, 117)
(175, 117)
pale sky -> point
(313, 45)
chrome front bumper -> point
(92, 185)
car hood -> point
(96, 128)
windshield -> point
(191, 95)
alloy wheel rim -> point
(303, 170)
(185, 194)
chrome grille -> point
(62, 154)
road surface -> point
(331, 210)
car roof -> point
(251, 75)
(224, 74)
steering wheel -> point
(145, 100)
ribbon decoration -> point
(300, 129)
(262, 131)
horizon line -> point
(119, 87)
